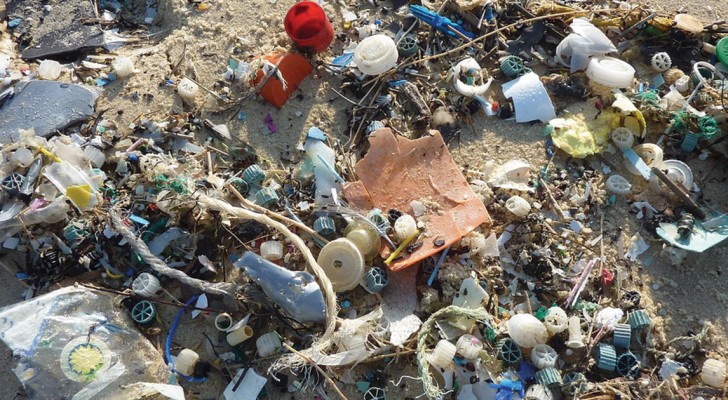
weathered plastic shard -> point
(296, 292)
(245, 386)
(631, 157)
(704, 235)
(399, 301)
(530, 99)
(397, 170)
(45, 106)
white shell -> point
(146, 285)
(526, 330)
(376, 54)
(623, 138)
(519, 206)
(714, 372)
(185, 362)
(122, 66)
(187, 90)
(543, 356)
(610, 71)
(576, 339)
(343, 264)
(661, 61)
(271, 250)
(268, 344)
(556, 321)
(617, 184)
(404, 227)
(49, 70)
(650, 153)
(539, 392)
(443, 354)
(239, 335)
(469, 346)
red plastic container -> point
(308, 26)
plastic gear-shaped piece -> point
(617, 184)
(661, 61)
(543, 356)
(509, 351)
(623, 138)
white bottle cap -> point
(376, 54)
(343, 264)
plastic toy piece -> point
(376, 54)
(543, 356)
(343, 263)
(606, 357)
(549, 377)
(639, 320)
(254, 175)
(375, 280)
(539, 392)
(443, 354)
(291, 67)
(518, 206)
(419, 169)
(556, 321)
(617, 184)
(623, 138)
(440, 23)
(307, 25)
(324, 226)
(146, 285)
(509, 351)
(622, 335)
(469, 346)
(714, 373)
(574, 383)
(527, 330)
(576, 339)
(271, 250)
(628, 365)
(610, 71)
(143, 312)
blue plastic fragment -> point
(139, 220)
(342, 60)
(439, 22)
(637, 162)
(316, 133)
(13, 23)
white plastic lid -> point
(187, 89)
(343, 264)
(185, 362)
(146, 285)
(714, 373)
(610, 71)
(376, 54)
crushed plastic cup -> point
(308, 26)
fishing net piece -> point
(429, 329)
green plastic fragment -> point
(541, 313)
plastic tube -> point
(185, 362)
(576, 339)
(239, 335)
(223, 322)
(168, 342)
(543, 356)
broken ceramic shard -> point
(418, 169)
(45, 106)
(530, 98)
(296, 292)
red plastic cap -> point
(308, 26)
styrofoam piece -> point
(469, 346)
(526, 330)
(519, 206)
(530, 99)
(187, 90)
(268, 344)
(617, 184)
(650, 153)
(49, 70)
(543, 356)
(610, 71)
(623, 138)
(404, 227)
(122, 66)
(271, 250)
(470, 295)
(442, 355)
(714, 373)
(343, 264)
(146, 285)
(376, 54)
(185, 362)
(246, 389)
(576, 339)
(556, 321)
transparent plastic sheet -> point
(73, 343)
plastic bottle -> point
(376, 54)
(469, 346)
(576, 339)
(442, 355)
(122, 66)
(186, 361)
(307, 25)
(146, 285)
(343, 264)
(404, 227)
(49, 70)
(526, 330)
(714, 373)
(364, 237)
(268, 344)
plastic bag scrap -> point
(74, 343)
(397, 171)
(530, 98)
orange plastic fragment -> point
(294, 69)
(397, 171)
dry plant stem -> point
(310, 361)
(275, 215)
(551, 198)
